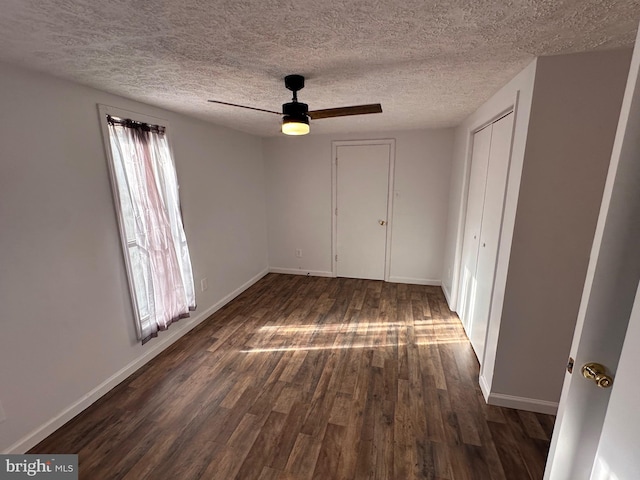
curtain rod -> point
(128, 123)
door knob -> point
(597, 373)
(382, 222)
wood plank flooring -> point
(310, 378)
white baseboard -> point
(486, 389)
(521, 403)
(447, 296)
(157, 346)
(320, 273)
(297, 271)
(416, 281)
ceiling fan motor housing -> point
(295, 120)
(295, 109)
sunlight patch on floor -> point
(323, 347)
(441, 341)
(334, 327)
(364, 335)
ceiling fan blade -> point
(346, 111)
(244, 106)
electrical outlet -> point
(204, 284)
(298, 253)
(3, 417)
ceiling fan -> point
(296, 115)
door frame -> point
(391, 142)
(510, 106)
(469, 328)
(456, 300)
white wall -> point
(67, 332)
(298, 172)
(607, 313)
(574, 115)
(298, 179)
(566, 116)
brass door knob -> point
(382, 222)
(597, 373)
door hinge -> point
(336, 210)
(336, 258)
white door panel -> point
(362, 191)
(490, 232)
(485, 205)
(473, 222)
(617, 455)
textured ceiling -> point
(430, 63)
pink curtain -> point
(158, 256)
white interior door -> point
(617, 455)
(607, 302)
(473, 222)
(495, 190)
(362, 194)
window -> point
(145, 190)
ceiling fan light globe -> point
(295, 126)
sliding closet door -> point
(473, 223)
(493, 209)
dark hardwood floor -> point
(310, 378)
